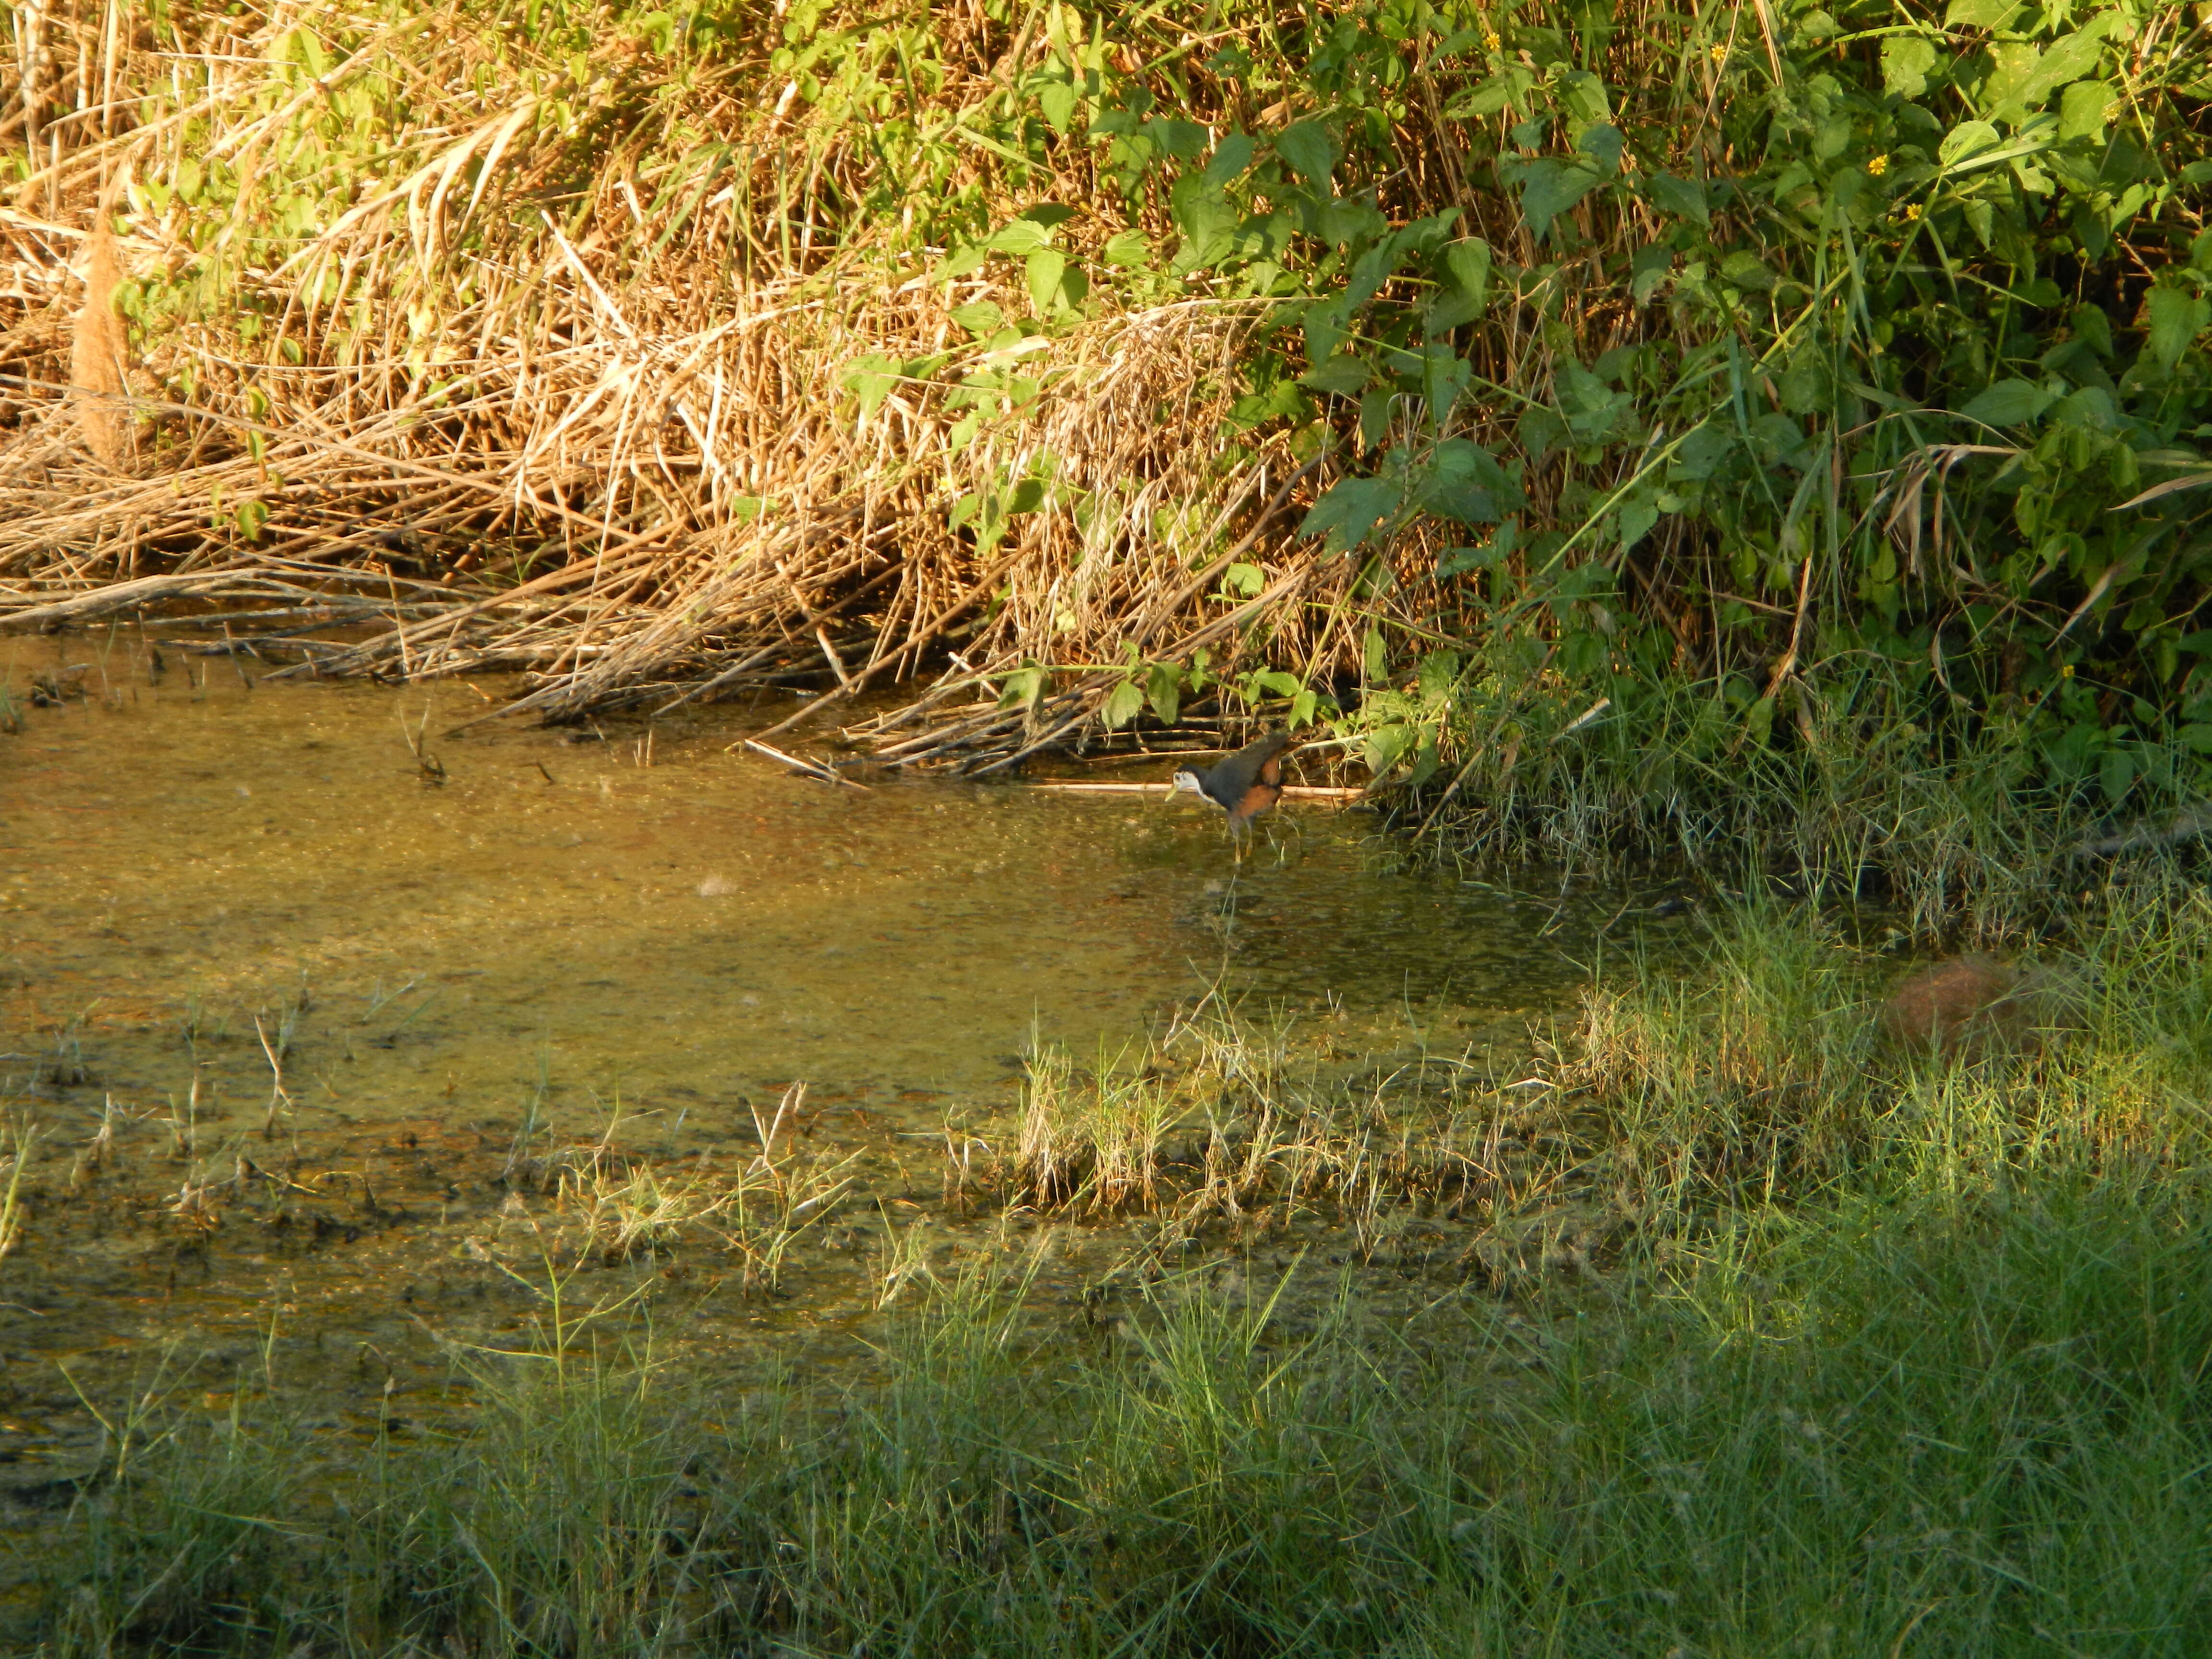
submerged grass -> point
(1899, 1354)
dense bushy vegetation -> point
(1808, 402)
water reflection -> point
(706, 924)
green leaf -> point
(1637, 518)
(962, 262)
(1126, 248)
(1353, 510)
(1230, 158)
(1906, 61)
(1602, 143)
(1245, 580)
(1022, 688)
(1163, 690)
(1044, 270)
(1277, 400)
(1458, 560)
(2070, 58)
(1306, 146)
(1493, 97)
(1020, 238)
(1345, 375)
(1057, 99)
(1183, 139)
(979, 318)
(1208, 224)
(1966, 141)
(1282, 685)
(1548, 188)
(1344, 221)
(1463, 481)
(871, 379)
(2014, 67)
(2117, 772)
(1463, 290)
(1444, 378)
(1467, 263)
(1124, 704)
(1652, 265)
(1683, 198)
(1385, 743)
(2175, 320)
(1758, 723)
(1745, 270)
(2091, 325)
(2009, 403)
(1583, 96)
(1979, 14)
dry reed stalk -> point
(98, 348)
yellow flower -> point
(1911, 211)
(1490, 40)
(1720, 54)
(1879, 166)
(2066, 673)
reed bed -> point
(616, 444)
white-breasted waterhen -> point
(1245, 785)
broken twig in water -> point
(1290, 792)
(812, 769)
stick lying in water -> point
(812, 769)
(1291, 792)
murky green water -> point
(196, 870)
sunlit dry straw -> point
(625, 449)
(771, 1135)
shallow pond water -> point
(307, 946)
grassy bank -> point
(1876, 1353)
(1810, 398)
(1973, 1427)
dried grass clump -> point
(99, 348)
(548, 342)
(1213, 1129)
